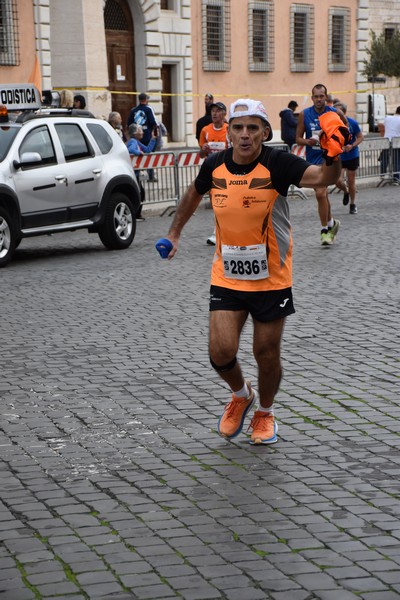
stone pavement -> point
(113, 481)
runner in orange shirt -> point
(252, 266)
(214, 138)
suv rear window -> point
(101, 136)
(73, 142)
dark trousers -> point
(142, 195)
(384, 160)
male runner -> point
(252, 266)
(309, 124)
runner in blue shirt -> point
(350, 161)
(308, 124)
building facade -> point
(275, 51)
(384, 17)
(17, 41)
(177, 50)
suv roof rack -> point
(54, 112)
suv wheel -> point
(119, 227)
(8, 238)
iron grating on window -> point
(114, 17)
(216, 35)
(389, 31)
(302, 38)
(261, 41)
(339, 39)
(9, 39)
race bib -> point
(245, 262)
(216, 146)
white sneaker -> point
(212, 240)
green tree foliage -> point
(383, 56)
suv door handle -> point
(96, 171)
(61, 179)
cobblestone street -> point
(113, 481)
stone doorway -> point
(120, 56)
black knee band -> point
(223, 368)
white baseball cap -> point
(253, 108)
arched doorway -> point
(120, 56)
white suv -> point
(62, 170)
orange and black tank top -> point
(254, 243)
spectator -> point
(66, 99)
(350, 161)
(331, 101)
(137, 148)
(391, 130)
(115, 120)
(143, 115)
(135, 143)
(79, 102)
(289, 123)
(205, 119)
(160, 132)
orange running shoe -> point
(264, 428)
(230, 423)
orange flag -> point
(36, 76)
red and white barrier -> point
(151, 161)
(299, 150)
(189, 159)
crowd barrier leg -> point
(393, 163)
(295, 191)
(299, 151)
(162, 190)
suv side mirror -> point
(28, 159)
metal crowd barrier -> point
(374, 158)
(301, 152)
(188, 165)
(379, 159)
(394, 163)
(393, 166)
(157, 174)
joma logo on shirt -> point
(238, 182)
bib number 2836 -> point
(245, 262)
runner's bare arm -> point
(321, 175)
(187, 206)
(342, 116)
(300, 130)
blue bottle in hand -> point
(164, 247)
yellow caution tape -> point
(220, 95)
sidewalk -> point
(113, 481)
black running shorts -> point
(263, 306)
(352, 164)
